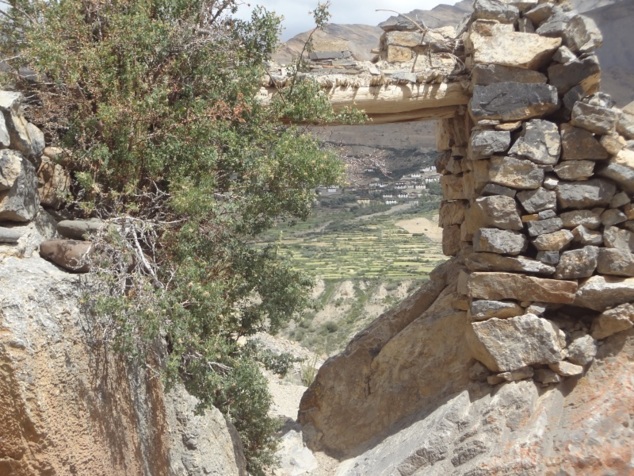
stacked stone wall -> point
(538, 185)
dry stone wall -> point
(537, 177)
(538, 181)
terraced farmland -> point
(363, 266)
(361, 248)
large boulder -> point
(69, 404)
(403, 363)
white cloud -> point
(297, 17)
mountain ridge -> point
(612, 16)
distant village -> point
(408, 188)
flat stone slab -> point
(500, 286)
(516, 264)
(513, 101)
(10, 235)
(79, 229)
(586, 194)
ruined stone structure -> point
(537, 213)
(515, 358)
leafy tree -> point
(155, 102)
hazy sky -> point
(297, 17)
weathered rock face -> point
(405, 361)
(70, 406)
(539, 214)
(579, 427)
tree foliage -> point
(155, 102)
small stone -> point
(536, 308)
(10, 168)
(495, 211)
(585, 236)
(513, 376)
(546, 214)
(580, 144)
(546, 377)
(614, 237)
(537, 200)
(555, 241)
(494, 342)
(478, 372)
(452, 213)
(620, 200)
(566, 76)
(555, 24)
(53, 183)
(602, 292)
(563, 55)
(575, 264)
(612, 217)
(20, 202)
(625, 126)
(79, 229)
(495, 189)
(582, 350)
(451, 240)
(616, 262)
(587, 218)
(574, 170)
(588, 194)
(620, 169)
(497, 241)
(483, 309)
(548, 257)
(540, 142)
(515, 173)
(495, 10)
(582, 35)
(486, 74)
(566, 369)
(619, 319)
(487, 143)
(69, 254)
(597, 119)
(513, 264)
(453, 187)
(540, 13)
(542, 227)
(508, 126)
(10, 235)
(613, 143)
(550, 182)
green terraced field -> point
(353, 248)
